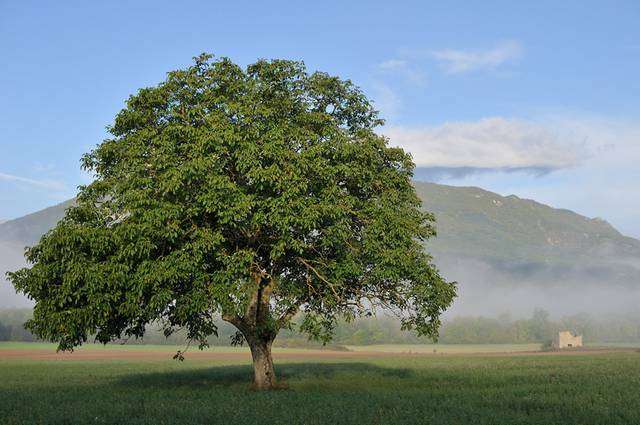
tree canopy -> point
(249, 193)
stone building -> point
(566, 339)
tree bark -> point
(259, 331)
(264, 377)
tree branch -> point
(322, 278)
(288, 314)
(234, 319)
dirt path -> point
(138, 354)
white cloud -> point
(392, 64)
(45, 184)
(403, 69)
(612, 142)
(460, 61)
(490, 143)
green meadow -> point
(350, 388)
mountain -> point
(508, 253)
(475, 223)
(513, 255)
(27, 230)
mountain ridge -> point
(477, 222)
(29, 228)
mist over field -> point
(485, 291)
(11, 259)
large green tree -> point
(253, 194)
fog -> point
(490, 290)
(11, 259)
(484, 289)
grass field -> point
(142, 385)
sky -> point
(539, 99)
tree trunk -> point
(264, 374)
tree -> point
(541, 328)
(254, 194)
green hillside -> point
(477, 223)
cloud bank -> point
(488, 144)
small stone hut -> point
(566, 339)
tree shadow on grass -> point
(243, 374)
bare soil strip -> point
(105, 354)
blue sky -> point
(541, 100)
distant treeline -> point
(540, 327)
(11, 325)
